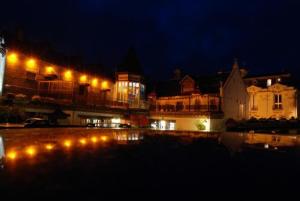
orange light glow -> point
(82, 141)
(31, 65)
(50, 70)
(30, 151)
(104, 85)
(67, 143)
(68, 75)
(95, 82)
(49, 147)
(94, 139)
(12, 58)
(83, 78)
(104, 138)
(12, 155)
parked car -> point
(36, 123)
(90, 125)
(124, 126)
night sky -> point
(197, 36)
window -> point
(253, 104)
(30, 75)
(277, 102)
(269, 82)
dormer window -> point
(269, 82)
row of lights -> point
(31, 151)
(31, 65)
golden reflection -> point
(82, 141)
(12, 155)
(104, 138)
(67, 143)
(30, 151)
(94, 139)
(49, 147)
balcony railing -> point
(186, 108)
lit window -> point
(277, 101)
(137, 84)
(130, 84)
(269, 82)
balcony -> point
(187, 109)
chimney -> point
(177, 74)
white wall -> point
(235, 97)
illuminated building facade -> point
(84, 97)
(272, 96)
(129, 89)
(199, 103)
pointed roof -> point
(235, 63)
(131, 63)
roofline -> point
(268, 76)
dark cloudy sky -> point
(199, 36)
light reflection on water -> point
(28, 143)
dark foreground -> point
(156, 167)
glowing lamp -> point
(49, 147)
(67, 143)
(95, 82)
(12, 58)
(68, 75)
(82, 141)
(12, 155)
(94, 139)
(50, 70)
(31, 65)
(30, 151)
(104, 138)
(104, 85)
(83, 79)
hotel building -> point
(84, 97)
